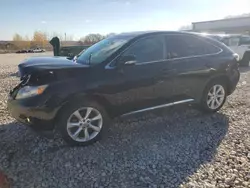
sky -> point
(78, 18)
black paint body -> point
(122, 89)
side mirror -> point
(74, 59)
(127, 60)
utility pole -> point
(65, 36)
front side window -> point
(147, 49)
(100, 51)
(179, 46)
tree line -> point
(41, 39)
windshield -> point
(101, 50)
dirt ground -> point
(174, 147)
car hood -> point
(38, 64)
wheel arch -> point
(222, 78)
(218, 79)
(75, 98)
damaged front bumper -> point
(29, 113)
(31, 110)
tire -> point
(72, 125)
(209, 96)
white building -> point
(230, 25)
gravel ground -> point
(174, 147)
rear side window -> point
(179, 46)
(147, 49)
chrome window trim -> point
(172, 59)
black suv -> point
(122, 75)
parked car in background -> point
(21, 51)
(38, 50)
(238, 43)
(30, 51)
(122, 75)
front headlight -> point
(30, 91)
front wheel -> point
(82, 124)
(214, 97)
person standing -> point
(55, 42)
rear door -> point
(191, 58)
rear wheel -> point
(214, 96)
(82, 124)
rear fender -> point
(221, 77)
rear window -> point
(179, 46)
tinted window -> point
(147, 49)
(185, 46)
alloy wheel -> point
(84, 124)
(216, 96)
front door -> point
(145, 84)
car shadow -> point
(160, 148)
